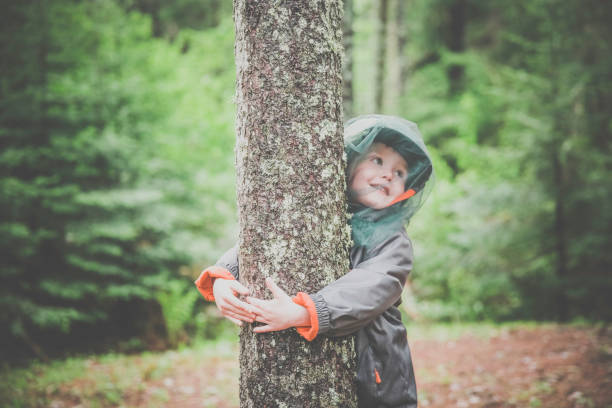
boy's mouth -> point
(382, 188)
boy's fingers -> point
(262, 319)
(276, 291)
(256, 302)
(240, 288)
(258, 310)
(235, 321)
(239, 304)
(229, 308)
(263, 329)
(239, 316)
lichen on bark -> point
(290, 187)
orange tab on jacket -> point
(404, 196)
(377, 376)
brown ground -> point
(547, 366)
(190, 387)
(557, 367)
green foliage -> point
(118, 380)
(177, 301)
(116, 166)
(519, 224)
(116, 124)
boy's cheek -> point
(358, 183)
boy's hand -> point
(226, 297)
(279, 313)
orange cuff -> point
(308, 332)
(207, 279)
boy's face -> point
(380, 177)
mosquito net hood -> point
(363, 137)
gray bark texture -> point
(290, 188)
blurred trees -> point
(381, 50)
(105, 185)
(117, 174)
(168, 18)
(347, 62)
(521, 121)
(514, 103)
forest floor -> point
(517, 366)
(553, 367)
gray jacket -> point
(365, 302)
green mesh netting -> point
(371, 227)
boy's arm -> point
(365, 292)
(229, 261)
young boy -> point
(389, 174)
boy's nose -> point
(387, 174)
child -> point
(389, 174)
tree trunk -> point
(455, 41)
(291, 202)
(380, 56)
(393, 81)
(347, 71)
(152, 8)
(560, 112)
(402, 40)
(560, 234)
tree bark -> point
(291, 201)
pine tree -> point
(80, 253)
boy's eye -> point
(377, 160)
(399, 173)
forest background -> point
(117, 165)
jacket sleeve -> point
(225, 268)
(365, 292)
(229, 261)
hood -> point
(371, 227)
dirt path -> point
(557, 367)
